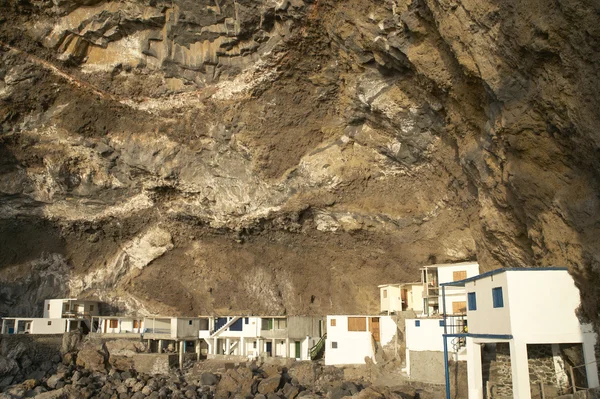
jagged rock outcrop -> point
(310, 149)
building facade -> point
(523, 319)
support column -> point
(258, 347)
(215, 347)
(474, 373)
(287, 347)
(3, 326)
(181, 351)
(198, 350)
(68, 325)
(243, 346)
(227, 346)
(520, 370)
(273, 347)
(589, 357)
(160, 346)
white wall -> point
(427, 337)
(415, 297)
(354, 346)
(542, 306)
(55, 311)
(40, 326)
(487, 319)
(446, 275)
(392, 302)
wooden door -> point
(374, 328)
(404, 297)
(297, 349)
(459, 307)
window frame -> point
(497, 297)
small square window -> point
(246, 320)
(190, 322)
(334, 345)
(417, 323)
(385, 293)
(49, 323)
(332, 322)
(441, 323)
(48, 306)
(497, 298)
(91, 308)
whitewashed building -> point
(351, 339)
(433, 276)
(253, 336)
(60, 316)
(529, 315)
(395, 298)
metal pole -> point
(447, 372)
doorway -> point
(270, 348)
(297, 347)
(374, 328)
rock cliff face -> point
(221, 156)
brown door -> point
(404, 298)
(374, 328)
(459, 307)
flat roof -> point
(450, 264)
(398, 284)
(461, 283)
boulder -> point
(208, 379)
(8, 366)
(91, 359)
(290, 391)
(53, 380)
(270, 384)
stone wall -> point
(155, 363)
(427, 366)
(496, 369)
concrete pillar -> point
(216, 348)
(68, 329)
(287, 347)
(197, 350)
(227, 346)
(160, 345)
(474, 374)
(3, 327)
(589, 358)
(520, 369)
(181, 352)
(258, 347)
(273, 347)
(242, 346)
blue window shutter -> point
(441, 323)
(417, 323)
(472, 301)
(497, 297)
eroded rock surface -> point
(271, 157)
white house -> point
(434, 275)
(253, 336)
(118, 324)
(528, 316)
(350, 339)
(70, 308)
(424, 341)
(60, 315)
(395, 298)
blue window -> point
(441, 323)
(417, 323)
(220, 322)
(472, 301)
(497, 297)
(236, 326)
(246, 320)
